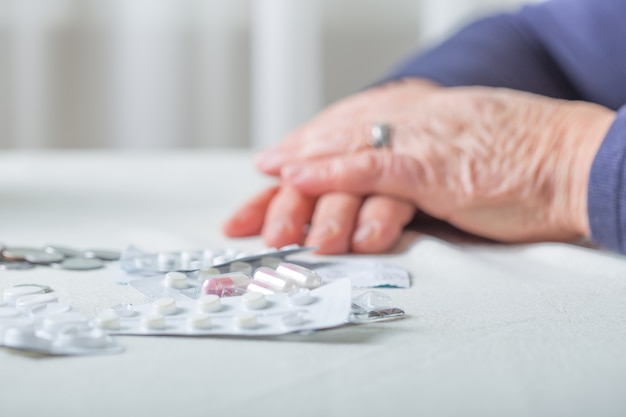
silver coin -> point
(102, 254)
(8, 265)
(63, 250)
(44, 258)
(80, 264)
(17, 254)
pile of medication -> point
(32, 319)
(56, 256)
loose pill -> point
(49, 309)
(245, 320)
(254, 300)
(165, 306)
(274, 280)
(209, 303)
(25, 337)
(28, 302)
(153, 322)
(199, 321)
(10, 295)
(176, 280)
(304, 277)
(217, 284)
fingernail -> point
(364, 232)
(295, 172)
(269, 159)
(278, 229)
(320, 232)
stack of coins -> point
(55, 256)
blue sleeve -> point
(606, 197)
(570, 49)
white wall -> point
(197, 73)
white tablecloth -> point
(492, 330)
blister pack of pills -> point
(250, 314)
(32, 319)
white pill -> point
(239, 266)
(108, 321)
(270, 261)
(8, 312)
(304, 277)
(28, 302)
(65, 321)
(199, 321)
(274, 280)
(10, 295)
(209, 303)
(207, 272)
(245, 320)
(176, 280)
(153, 322)
(254, 300)
(166, 306)
(301, 297)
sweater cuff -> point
(606, 195)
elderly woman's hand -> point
(498, 163)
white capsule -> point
(165, 306)
(256, 286)
(199, 322)
(153, 322)
(28, 302)
(245, 320)
(274, 280)
(304, 277)
(209, 303)
(10, 295)
(108, 321)
(254, 300)
(176, 280)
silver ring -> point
(381, 136)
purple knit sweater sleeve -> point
(569, 49)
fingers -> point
(287, 215)
(248, 219)
(333, 222)
(311, 141)
(380, 223)
(364, 173)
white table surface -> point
(492, 330)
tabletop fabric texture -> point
(491, 330)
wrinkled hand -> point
(335, 222)
(498, 163)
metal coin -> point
(44, 258)
(103, 254)
(81, 264)
(63, 250)
(15, 265)
(17, 254)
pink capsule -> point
(219, 284)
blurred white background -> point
(198, 73)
